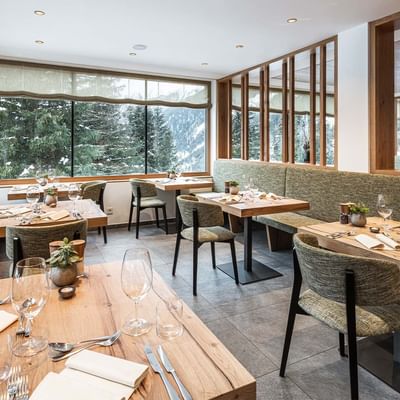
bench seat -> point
(287, 221)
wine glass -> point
(5, 363)
(383, 210)
(73, 194)
(29, 294)
(33, 196)
(136, 282)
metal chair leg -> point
(342, 350)
(130, 217)
(177, 245)
(157, 220)
(105, 234)
(214, 264)
(195, 261)
(165, 219)
(137, 222)
(234, 262)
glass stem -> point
(28, 327)
(136, 310)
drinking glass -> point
(169, 318)
(136, 282)
(383, 210)
(5, 363)
(29, 294)
(33, 196)
(73, 194)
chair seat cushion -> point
(370, 321)
(147, 202)
(287, 221)
(211, 234)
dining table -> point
(177, 185)
(86, 209)
(203, 364)
(18, 192)
(250, 270)
(380, 355)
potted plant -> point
(51, 197)
(233, 187)
(172, 174)
(306, 148)
(63, 264)
(358, 213)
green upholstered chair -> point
(356, 296)
(33, 241)
(144, 195)
(201, 224)
(95, 191)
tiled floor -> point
(250, 320)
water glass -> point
(73, 194)
(5, 362)
(169, 318)
(33, 196)
(383, 210)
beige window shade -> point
(65, 84)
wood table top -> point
(204, 365)
(348, 244)
(168, 185)
(87, 208)
(18, 192)
(256, 207)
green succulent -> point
(64, 256)
(358, 208)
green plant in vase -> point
(358, 214)
(234, 187)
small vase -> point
(51, 201)
(358, 220)
(234, 190)
(63, 276)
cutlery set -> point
(155, 365)
(18, 386)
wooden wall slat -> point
(266, 112)
(313, 98)
(222, 119)
(322, 107)
(261, 115)
(245, 117)
(284, 113)
(229, 127)
(291, 116)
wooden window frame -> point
(288, 108)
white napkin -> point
(56, 215)
(370, 242)
(19, 210)
(6, 319)
(56, 386)
(388, 241)
(103, 366)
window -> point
(283, 111)
(88, 124)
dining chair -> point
(202, 223)
(94, 190)
(356, 296)
(33, 241)
(144, 195)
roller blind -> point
(65, 84)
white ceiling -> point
(180, 34)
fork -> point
(13, 382)
(23, 389)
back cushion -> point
(267, 177)
(326, 189)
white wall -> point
(353, 140)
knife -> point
(168, 366)
(157, 368)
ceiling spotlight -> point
(239, 46)
(132, 54)
(291, 20)
(39, 13)
(140, 47)
(204, 64)
(39, 41)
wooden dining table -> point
(204, 365)
(18, 192)
(380, 354)
(87, 209)
(251, 270)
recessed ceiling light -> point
(39, 13)
(239, 46)
(204, 64)
(39, 41)
(291, 20)
(140, 47)
(132, 54)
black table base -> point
(375, 354)
(259, 272)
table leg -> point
(248, 243)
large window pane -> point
(330, 100)
(254, 114)
(236, 117)
(34, 135)
(109, 139)
(275, 115)
(176, 139)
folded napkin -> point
(370, 242)
(20, 187)
(231, 199)
(56, 386)
(388, 241)
(273, 196)
(107, 367)
(6, 319)
(19, 210)
(56, 215)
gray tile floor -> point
(250, 320)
